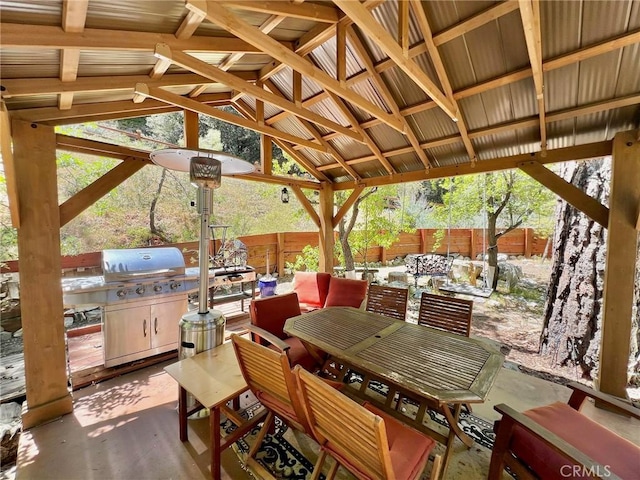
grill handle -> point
(144, 327)
(155, 325)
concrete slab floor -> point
(127, 428)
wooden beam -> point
(306, 204)
(438, 64)
(189, 25)
(40, 37)
(490, 14)
(19, 87)
(194, 106)
(385, 41)
(530, 13)
(341, 53)
(266, 154)
(222, 17)
(6, 150)
(245, 110)
(347, 204)
(34, 150)
(403, 26)
(379, 82)
(93, 112)
(74, 15)
(86, 197)
(568, 192)
(93, 147)
(209, 71)
(580, 152)
(308, 11)
(619, 277)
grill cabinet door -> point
(126, 331)
(165, 318)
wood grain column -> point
(622, 238)
(48, 397)
(326, 240)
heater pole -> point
(203, 293)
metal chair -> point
(387, 301)
(361, 438)
(446, 313)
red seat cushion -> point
(594, 440)
(312, 288)
(345, 292)
(299, 355)
(270, 313)
(409, 448)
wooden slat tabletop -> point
(434, 364)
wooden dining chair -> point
(361, 438)
(387, 301)
(446, 313)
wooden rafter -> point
(194, 106)
(245, 110)
(403, 26)
(438, 64)
(267, 26)
(389, 100)
(580, 152)
(568, 192)
(224, 18)
(214, 73)
(308, 11)
(74, 15)
(530, 13)
(385, 41)
(189, 25)
(46, 37)
(314, 132)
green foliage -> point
(309, 260)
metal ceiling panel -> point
(325, 57)
(386, 136)
(291, 29)
(162, 17)
(629, 80)
(404, 90)
(498, 105)
(431, 124)
(454, 154)
(33, 101)
(523, 99)
(443, 14)
(560, 27)
(486, 50)
(30, 71)
(474, 112)
(598, 78)
(349, 148)
(622, 119)
(292, 125)
(561, 134)
(35, 12)
(28, 56)
(456, 60)
(602, 18)
(561, 88)
(514, 45)
(588, 128)
(406, 162)
(328, 110)
(269, 109)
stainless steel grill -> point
(143, 293)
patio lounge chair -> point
(387, 301)
(557, 442)
(361, 438)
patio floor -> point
(127, 427)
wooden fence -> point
(276, 249)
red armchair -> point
(269, 314)
(312, 289)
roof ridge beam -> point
(308, 11)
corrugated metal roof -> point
(487, 52)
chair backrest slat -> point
(387, 301)
(446, 313)
(356, 436)
(268, 375)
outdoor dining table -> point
(435, 369)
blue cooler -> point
(267, 286)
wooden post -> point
(34, 150)
(383, 256)
(619, 277)
(528, 242)
(266, 154)
(326, 235)
(281, 243)
(423, 244)
(472, 243)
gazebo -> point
(358, 93)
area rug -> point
(289, 454)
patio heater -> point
(204, 329)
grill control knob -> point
(173, 285)
(140, 290)
(157, 288)
(121, 293)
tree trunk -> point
(492, 249)
(573, 311)
(157, 232)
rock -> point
(10, 427)
(17, 333)
(5, 335)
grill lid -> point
(131, 264)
